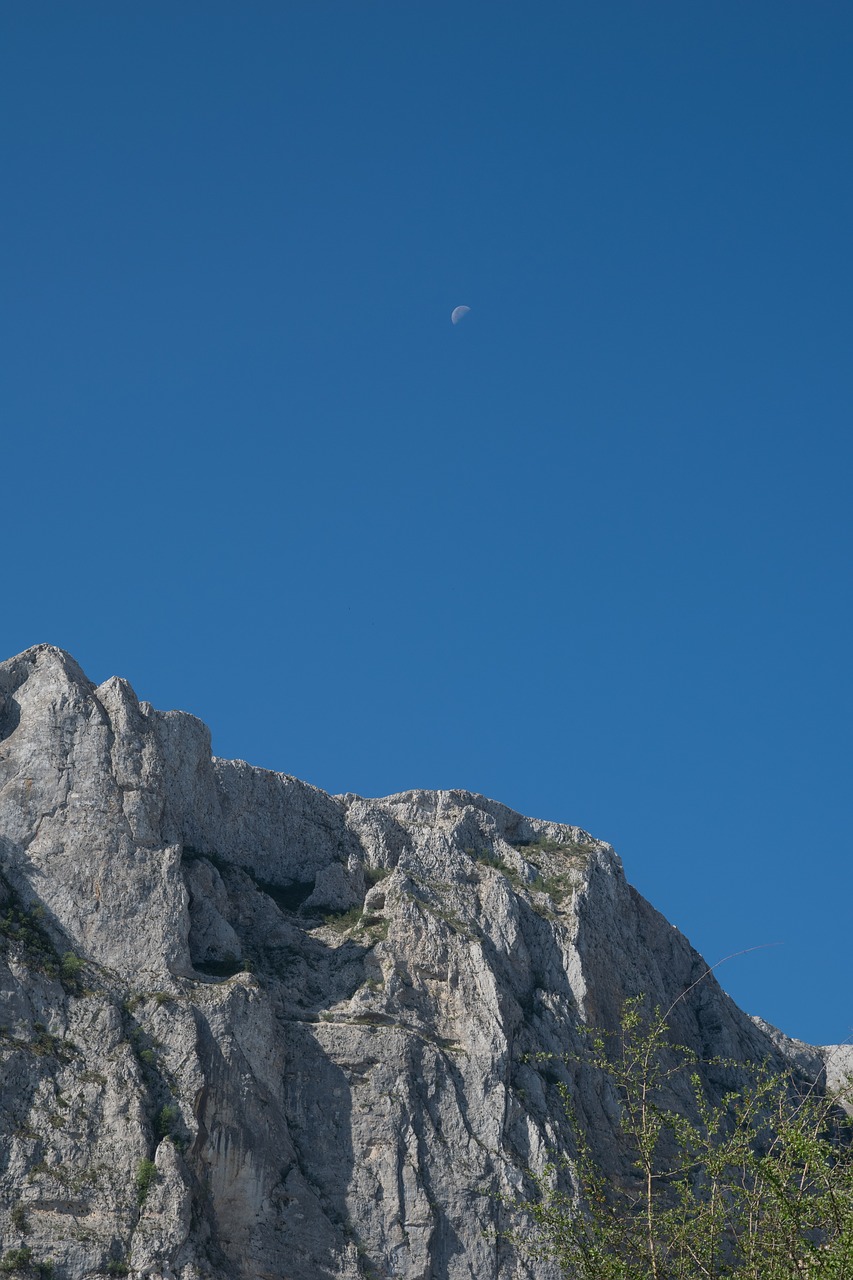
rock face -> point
(248, 1029)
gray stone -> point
(313, 1013)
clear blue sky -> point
(586, 552)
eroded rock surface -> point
(252, 1030)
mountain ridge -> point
(313, 1016)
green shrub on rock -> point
(70, 967)
(146, 1176)
(21, 1262)
(165, 1120)
(755, 1185)
(19, 1218)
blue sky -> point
(586, 552)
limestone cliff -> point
(248, 1029)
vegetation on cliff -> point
(755, 1186)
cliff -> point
(253, 1030)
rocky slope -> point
(248, 1029)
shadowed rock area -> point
(248, 1029)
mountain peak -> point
(312, 1021)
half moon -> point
(458, 313)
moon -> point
(458, 313)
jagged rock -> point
(312, 1014)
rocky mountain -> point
(251, 1030)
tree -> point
(755, 1186)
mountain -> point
(252, 1030)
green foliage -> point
(117, 1267)
(20, 1220)
(42, 1043)
(70, 968)
(23, 927)
(165, 1120)
(92, 1077)
(89, 1176)
(132, 1003)
(490, 859)
(21, 1262)
(758, 1186)
(146, 1176)
(343, 921)
(16, 1260)
(557, 887)
(449, 917)
(542, 844)
(45, 1044)
(372, 875)
(376, 927)
(144, 1048)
